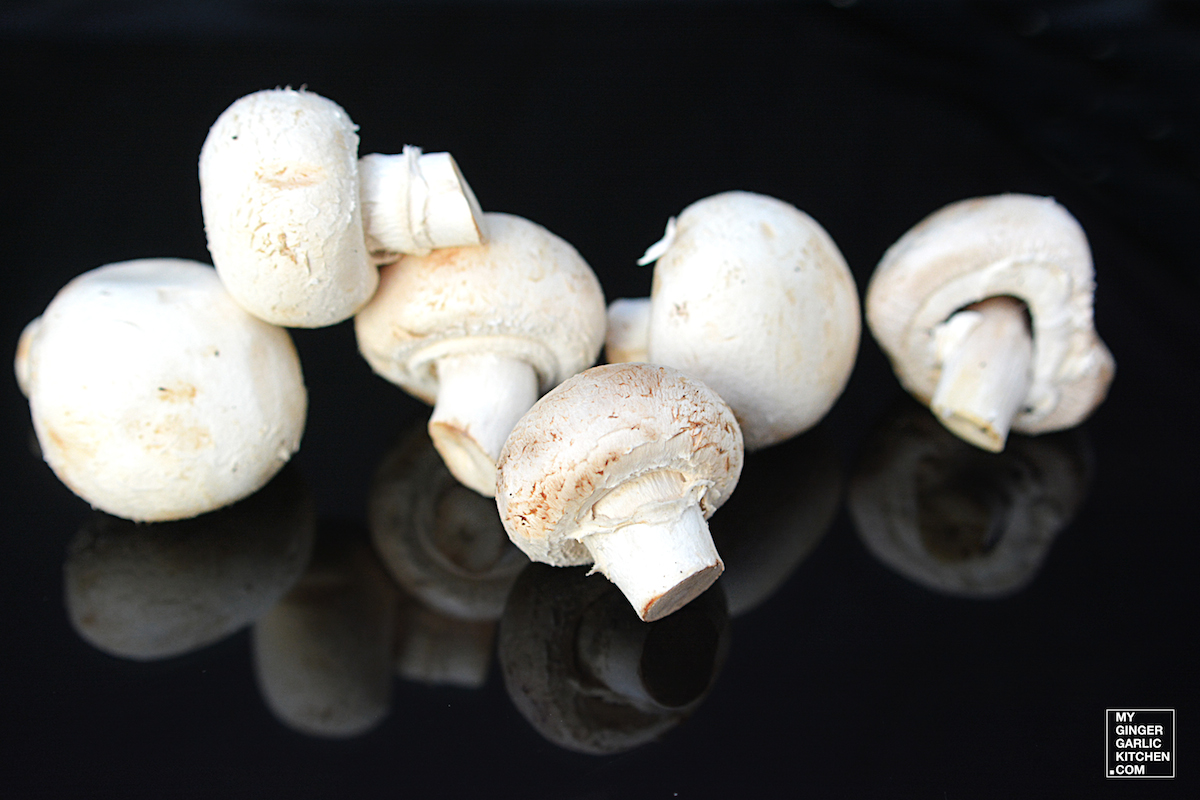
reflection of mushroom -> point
(441, 541)
(589, 676)
(985, 310)
(154, 396)
(416, 202)
(323, 654)
(752, 297)
(621, 465)
(153, 591)
(959, 520)
(482, 331)
(786, 500)
(279, 188)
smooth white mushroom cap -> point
(155, 397)
(525, 293)
(279, 188)
(752, 296)
(599, 430)
(1014, 245)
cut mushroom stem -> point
(660, 555)
(658, 566)
(416, 202)
(480, 398)
(986, 371)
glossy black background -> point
(599, 121)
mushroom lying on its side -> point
(154, 396)
(279, 188)
(620, 466)
(985, 310)
(481, 332)
(752, 297)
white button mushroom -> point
(620, 466)
(752, 297)
(985, 310)
(416, 202)
(279, 189)
(154, 396)
(482, 331)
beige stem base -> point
(986, 371)
(480, 398)
(659, 567)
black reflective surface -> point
(826, 668)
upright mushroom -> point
(279, 189)
(620, 466)
(985, 310)
(752, 297)
(482, 332)
(154, 396)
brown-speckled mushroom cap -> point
(1021, 246)
(599, 429)
(524, 293)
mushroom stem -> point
(659, 566)
(987, 353)
(415, 202)
(628, 337)
(480, 398)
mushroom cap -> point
(753, 297)
(279, 189)
(155, 397)
(597, 430)
(1017, 245)
(524, 293)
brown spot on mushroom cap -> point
(598, 429)
(289, 175)
(178, 392)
